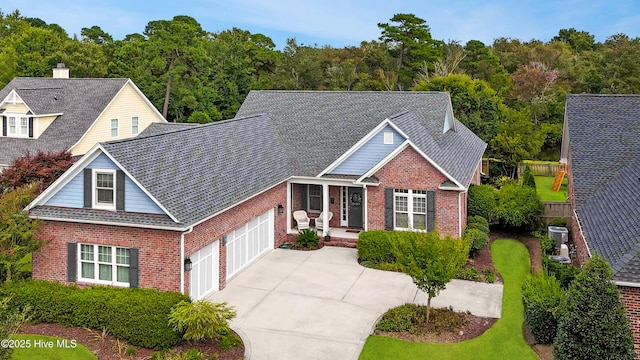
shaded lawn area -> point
(543, 188)
(503, 341)
(56, 353)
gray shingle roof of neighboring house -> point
(604, 141)
(80, 100)
(319, 126)
(604, 136)
(199, 171)
(163, 128)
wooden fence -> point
(546, 169)
(553, 209)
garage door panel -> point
(203, 277)
(248, 242)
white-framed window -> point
(388, 137)
(24, 126)
(102, 264)
(114, 127)
(104, 189)
(409, 209)
(12, 125)
(134, 125)
(17, 125)
(315, 198)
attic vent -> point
(60, 71)
(388, 137)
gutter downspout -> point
(575, 213)
(182, 258)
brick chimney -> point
(60, 71)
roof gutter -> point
(182, 259)
(627, 284)
(156, 227)
(575, 213)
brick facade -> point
(214, 228)
(159, 251)
(409, 170)
(630, 297)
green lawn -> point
(543, 187)
(58, 352)
(503, 341)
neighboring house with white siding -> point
(66, 114)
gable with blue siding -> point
(72, 194)
(370, 153)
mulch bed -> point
(475, 327)
(107, 347)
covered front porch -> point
(339, 202)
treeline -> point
(511, 93)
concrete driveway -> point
(323, 305)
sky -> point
(341, 23)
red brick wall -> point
(214, 228)
(630, 296)
(582, 253)
(477, 175)
(334, 194)
(159, 251)
(409, 170)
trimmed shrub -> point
(375, 246)
(139, 317)
(528, 179)
(478, 222)
(564, 273)
(307, 238)
(468, 274)
(482, 201)
(477, 240)
(518, 206)
(489, 276)
(402, 318)
(542, 297)
(592, 323)
(558, 222)
(202, 319)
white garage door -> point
(248, 242)
(204, 275)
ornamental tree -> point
(430, 261)
(592, 322)
(43, 168)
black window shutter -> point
(87, 188)
(133, 268)
(304, 197)
(431, 210)
(388, 209)
(119, 190)
(4, 126)
(30, 127)
(72, 262)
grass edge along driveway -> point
(503, 341)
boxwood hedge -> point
(138, 317)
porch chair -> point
(319, 224)
(302, 219)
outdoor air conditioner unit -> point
(560, 234)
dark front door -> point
(355, 202)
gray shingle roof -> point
(604, 136)
(163, 128)
(80, 101)
(199, 171)
(319, 126)
(604, 141)
(610, 221)
(103, 216)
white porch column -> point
(325, 209)
(365, 208)
(288, 205)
